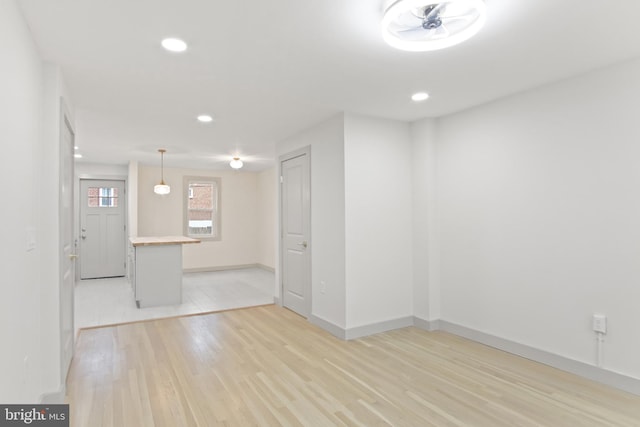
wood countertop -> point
(161, 240)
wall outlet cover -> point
(600, 323)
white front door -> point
(296, 201)
(68, 247)
(102, 228)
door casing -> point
(123, 213)
(67, 243)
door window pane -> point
(102, 197)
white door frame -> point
(125, 209)
(69, 255)
(76, 227)
(280, 286)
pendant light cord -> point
(162, 151)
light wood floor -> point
(267, 366)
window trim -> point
(217, 215)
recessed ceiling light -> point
(174, 45)
(205, 118)
(76, 148)
(420, 96)
(425, 25)
(77, 156)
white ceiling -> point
(266, 69)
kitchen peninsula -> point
(156, 269)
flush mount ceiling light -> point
(236, 163)
(162, 188)
(174, 45)
(424, 25)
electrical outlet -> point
(600, 323)
(323, 286)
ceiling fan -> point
(423, 25)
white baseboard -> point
(376, 328)
(361, 331)
(334, 330)
(277, 301)
(226, 267)
(54, 398)
(427, 325)
(266, 267)
(610, 378)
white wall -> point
(163, 215)
(539, 216)
(100, 171)
(29, 310)
(267, 222)
(327, 215)
(378, 216)
(361, 219)
(21, 85)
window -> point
(102, 197)
(202, 207)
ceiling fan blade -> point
(403, 26)
(454, 18)
(441, 32)
(436, 10)
(411, 30)
(431, 33)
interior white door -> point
(68, 247)
(102, 228)
(296, 266)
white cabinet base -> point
(158, 275)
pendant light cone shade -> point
(162, 188)
(236, 163)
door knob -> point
(73, 256)
(303, 244)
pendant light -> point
(162, 188)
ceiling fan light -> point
(236, 163)
(452, 22)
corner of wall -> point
(132, 200)
(426, 288)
